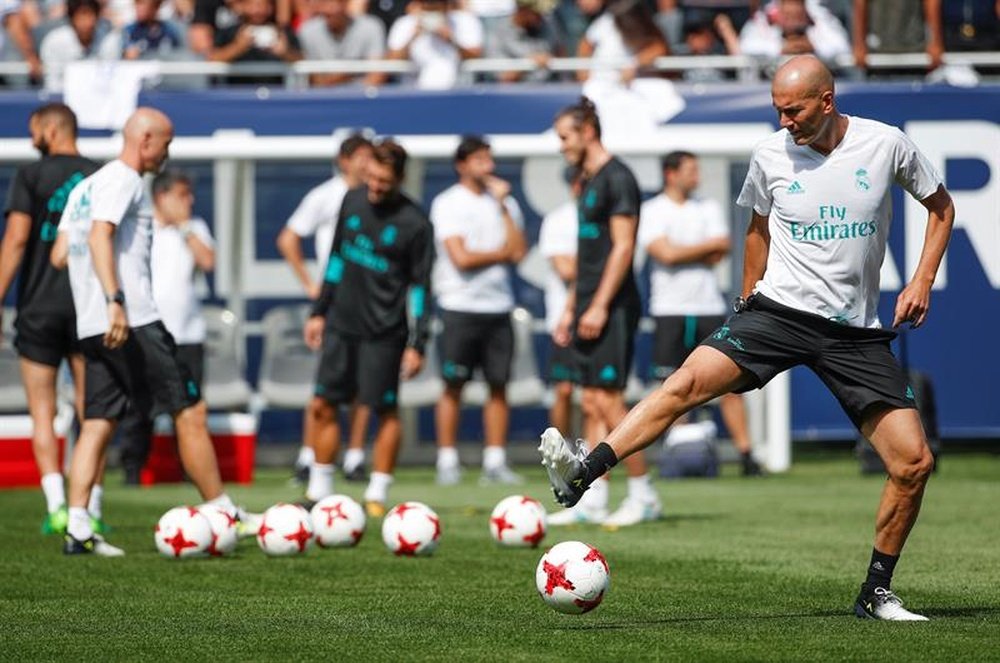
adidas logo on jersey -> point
(795, 187)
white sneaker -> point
(563, 460)
(634, 511)
(105, 549)
(449, 476)
(577, 515)
(883, 604)
(501, 475)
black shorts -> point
(366, 370)
(675, 337)
(476, 340)
(855, 363)
(45, 338)
(143, 374)
(561, 365)
(606, 361)
(192, 356)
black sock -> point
(880, 570)
(598, 462)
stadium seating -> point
(12, 397)
(225, 388)
(288, 367)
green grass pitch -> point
(738, 570)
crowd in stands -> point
(437, 35)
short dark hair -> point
(59, 113)
(582, 112)
(468, 146)
(168, 179)
(673, 160)
(73, 6)
(390, 153)
(352, 144)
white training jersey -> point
(692, 288)
(174, 271)
(557, 237)
(316, 216)
(476, 218)
(116, 194)
(829, 216)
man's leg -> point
(325, 426)
(40, 388)
(899, 439)
(84, 468)
(446, 415)
(706, 374)
(734, 416)
(384, 454)
(562, 406)
(135, 437)
(354, 458)
(196, 451)
(496, 426)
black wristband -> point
(117, 297)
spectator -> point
(898, 26)
(437, 38)
(332, 34)
(387, 11)
(573, 17)
(738, 11)
(13, 25)
(705, 34)
(671, 19)
(148, 38)
(789, 27)
(210, 17)
(971, 25)
(491, 14)
(530, 33)
(257, 38)
(625, 32)
(77, 40)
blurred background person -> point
(209, 18)
(256, 38)
(971, 25)
(529, 33)
(898, 26)
(708, 34)
(78, 40)
(436, 37)
(16, 37)
(146, 38)
(622, 43)
(478, 235)
(333, 34)
(794, 27)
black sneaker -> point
(357, 474)
(300, 476)
(95, 545)
(881, 603)
(751, 468)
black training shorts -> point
(476, 340)
(354, 368)
(675, 337)
(144, 374)
(45, 338)
(606, 361)
(561, 364)
(855, 363)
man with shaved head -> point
(819, 190)
(131, 359)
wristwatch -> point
(117, 297)
(739, 305)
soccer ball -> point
(518, 521)
(285, 529)
(410, 529)
(572, 577)
(224, 535)
(338, 522)
(183, 532)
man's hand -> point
(117, 326)
(912, 304)
(498, 188)
(562, 334)
(312, 334)
(313, 290)
(411, 364)
(592, 323)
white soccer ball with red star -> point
(518, 521)
(224, 535)
(285, 529)
(338, 522)
(183, 532)
(572, 577)
(411, 529)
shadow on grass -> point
(640, 623)
(967, 611)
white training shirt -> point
(436, 59)
(557, 237)
(117, 194)
(829, 216)
(316, 216)
(476, 218)
(608, 45)
(173, 269)
(692, 288)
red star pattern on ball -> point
(530, 500)
(213, 549)
(300, 537)
(501, 523)
(357, 534)
(232, 519)
(193, 512)
(437, 527)
(405, 547)
(179, 543)
(264, 530)
(595, 556)
(333, 513)
(403, 508)
(555, 576)
(535, 537)
(590, 605)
